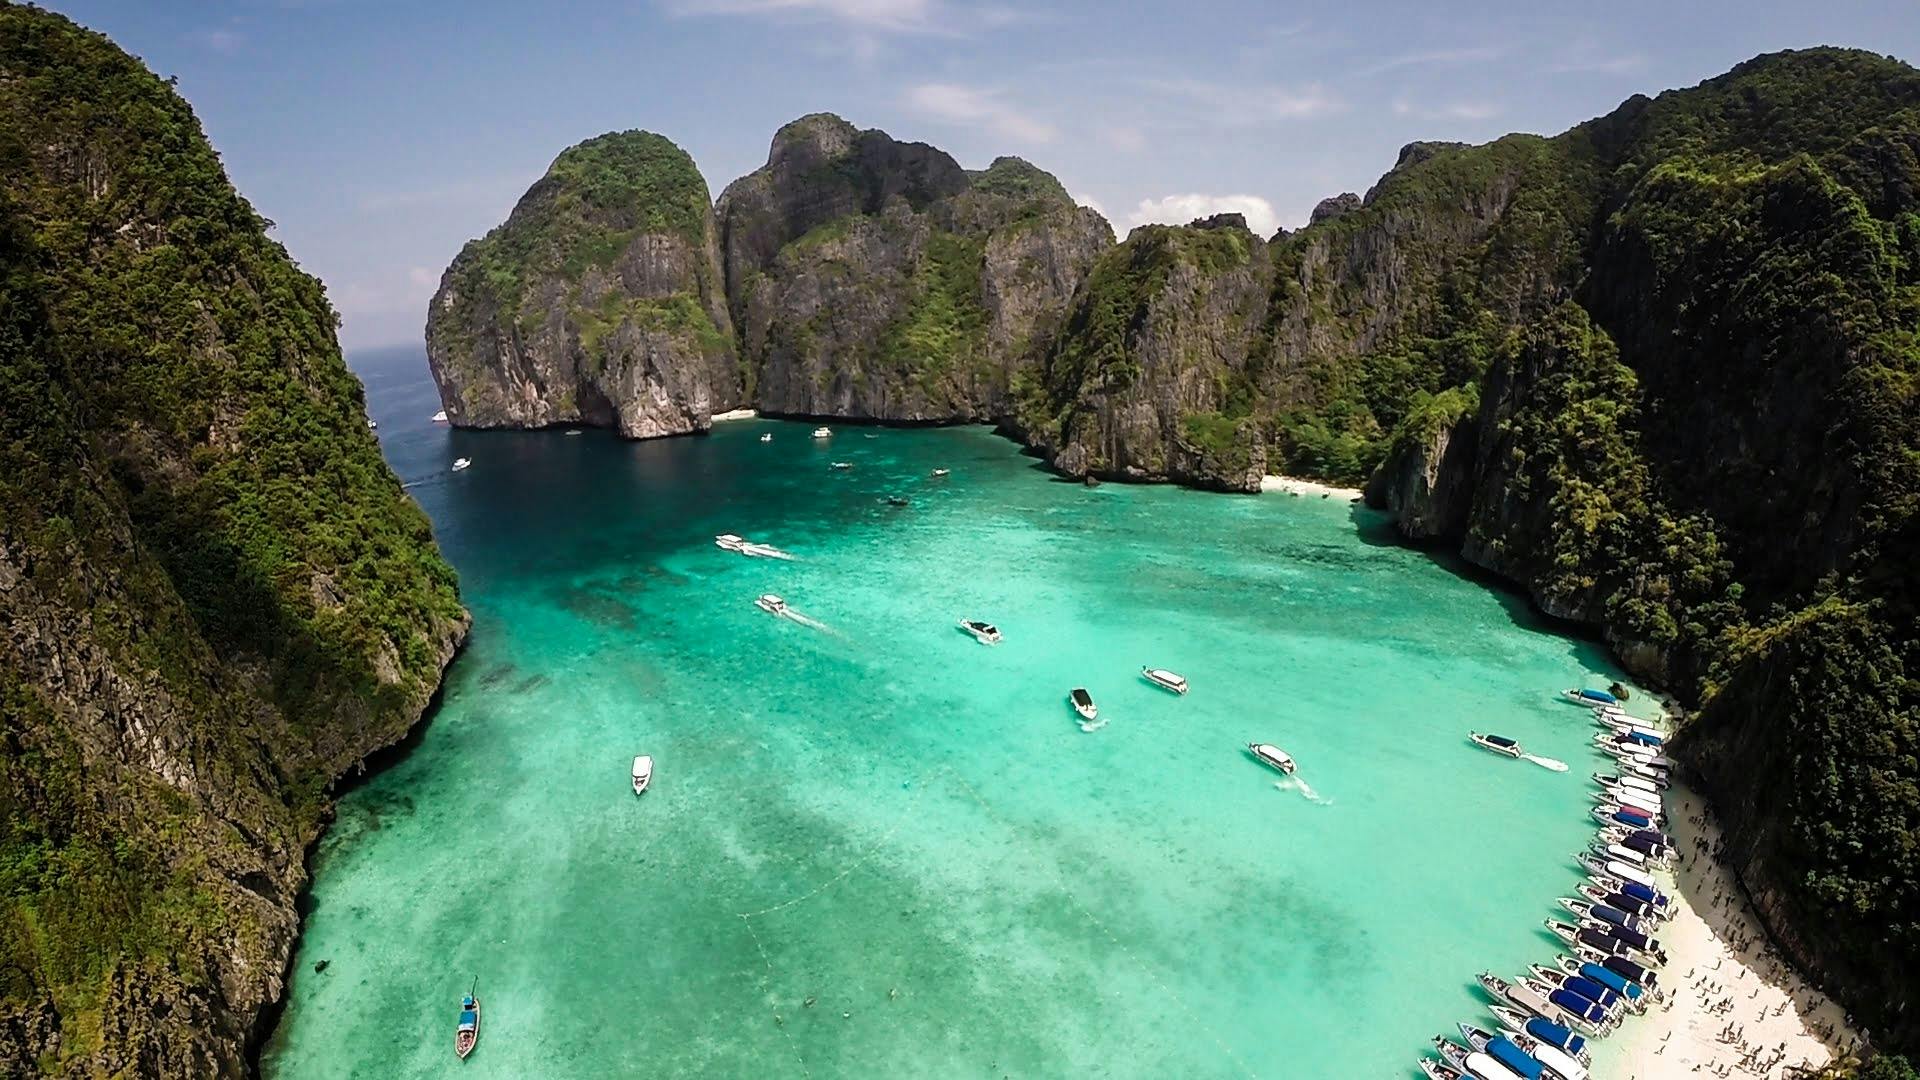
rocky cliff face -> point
(876, 279)
(599, 301)
(1148, 380)
(214, 596)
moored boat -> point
(1272, 755)
(467, 1034)
(1625, 966)
(1504, 1050)
(1605, 997)
(462, 464)
(1499, 744)
(823, 433)
(768, 437)
(1082, 703)
(1586, 696)
(1636, 996)
(1525, 999)
(1532, 1025)
(942, 472)
(1437, 1070)
(983, 632)
(1607, 913)
(1627, 780)
(642, 773)
(1586, 1015)
(843, 464)
(440, 417)
(1165, 679)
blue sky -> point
(381, 135)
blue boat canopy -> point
(1600, 696)
(468, 1020)
(1646, 738)
(1555, 1035)
(1618, 982)
(1502, 1050)
(1578, 1006)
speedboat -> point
(1438, 1071)
(1272, 755)
(372, 424)
(642, 773)
(462, 463)
(1605, 997)
(1632, 905)
(1626, 796)
(728, 542)
(1644, 841)
(1587, 1015)
(843, 464)
(823, 433)
(1612, 815)
(1501, 1048)
(1626, 967)
(1082, 703)
(440, 417)
(899, 500)
(983, 632)
(768, 437)
(1586, 696)
(1472, 1062)
(1610, 940)
(1636, 996)
(1606, 913)
(1626, 780)
(1525, 998)
(1499, 744)
(1524, 1024)
(771, 604)
(942, 472)
(467, 1034)
(1164, 679)
(1626, 855)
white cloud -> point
(1595, 63)
(1241, 105)
(1180, 209)
(1435, 58)
(424, 277)
(982, 109)
(1458, 110)
(1127, 140)
(887, 15)
(220, 41)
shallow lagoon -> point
(875, 847)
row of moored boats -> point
(1544, 1019)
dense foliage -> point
(217, 595)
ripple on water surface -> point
(888, 850)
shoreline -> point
(1738, 1008)
(1294, 485)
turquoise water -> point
(876, 848)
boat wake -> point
(1091, 726)
(1294, 783)
(807, 621)
(1546, 762)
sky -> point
(381, 135)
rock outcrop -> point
(876, 279)
(600, 301)
(215, 598)
(1148, 379)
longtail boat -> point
(468, 1033)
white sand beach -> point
(736, 414)
(1307, 488)
(1737, 1009)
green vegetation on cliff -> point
(218, 597)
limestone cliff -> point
(875, 279)
(214, 597)
(600, 301)
(1147, 379)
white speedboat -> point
(1499, 744)
(440, 417)
(1082, 703)
(983, 632)
(642, 773)
(1165, 679)
(460, 464)
(768, 437)
(574, 431)
(942, 472)
(1272, 755)
(843, 464)
(372, 424)
(823, 433)
(728, 542)
(771, 604)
